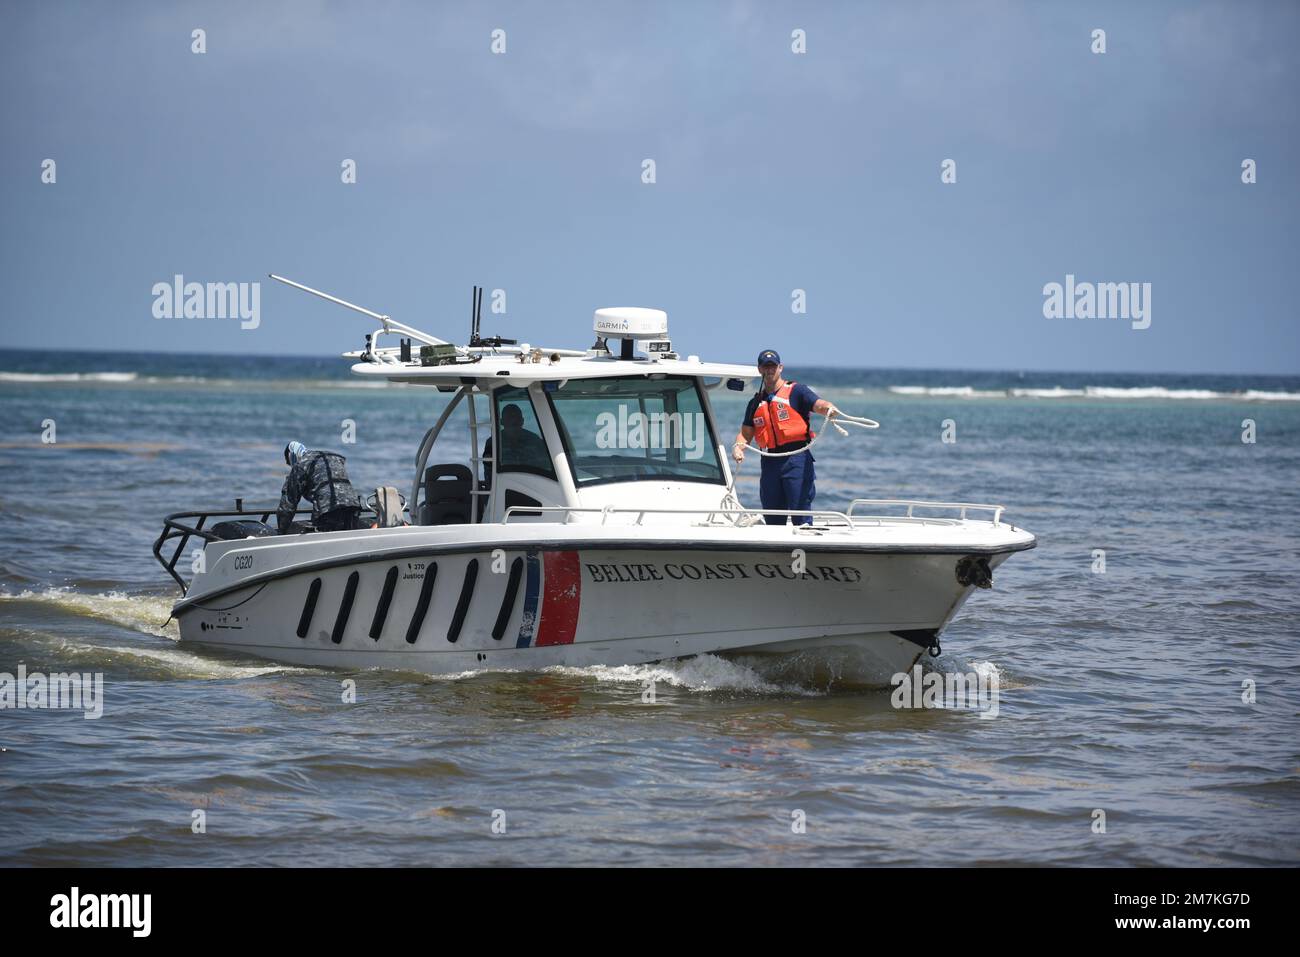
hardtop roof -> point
(552, 367)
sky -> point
(775, 171)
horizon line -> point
(810, 365)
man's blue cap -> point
(768, 356)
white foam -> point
(1154, 392)
(1256, 395)
(68, 376)
(952, 391)
(908, 389)
(1098, 392)
(986, 670)
(187, 664)
(1054, 393)
(145, 614)
(196, 666)
(701, 673)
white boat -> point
(604, 545)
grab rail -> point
(911, 504)
(174, 527)
(609, 510)
(851, 517)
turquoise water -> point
(1121, 691)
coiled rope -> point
(729, 500)
(861, 422)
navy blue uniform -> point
(789, 482)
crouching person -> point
(322, 479)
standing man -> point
(322, 479)
(779, 418)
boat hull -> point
(528, 608)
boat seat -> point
(446, 495)
(230, 531)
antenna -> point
(476, 325)
(389, 325)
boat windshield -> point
(636, 428)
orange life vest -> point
(777, 423)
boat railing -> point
(180, 527)
(826, 515)
(911, 505)
(851, 518)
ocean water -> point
(1121, 692)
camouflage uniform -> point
(322, 479)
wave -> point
(135, 378)
(1157, 393)
(110, 377)
(1097, 392)
(701, 673)
(811, 673)
(69, 376)
(1053, 393)
(961, 391)
(178, 661)
(989, 671)
(147, 614)
(1257, 395)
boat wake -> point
(809, 674)
(700, 673)
(147, 614)
(149, 661)
(812, 673)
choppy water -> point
(1119, 691)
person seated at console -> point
(519, 446)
